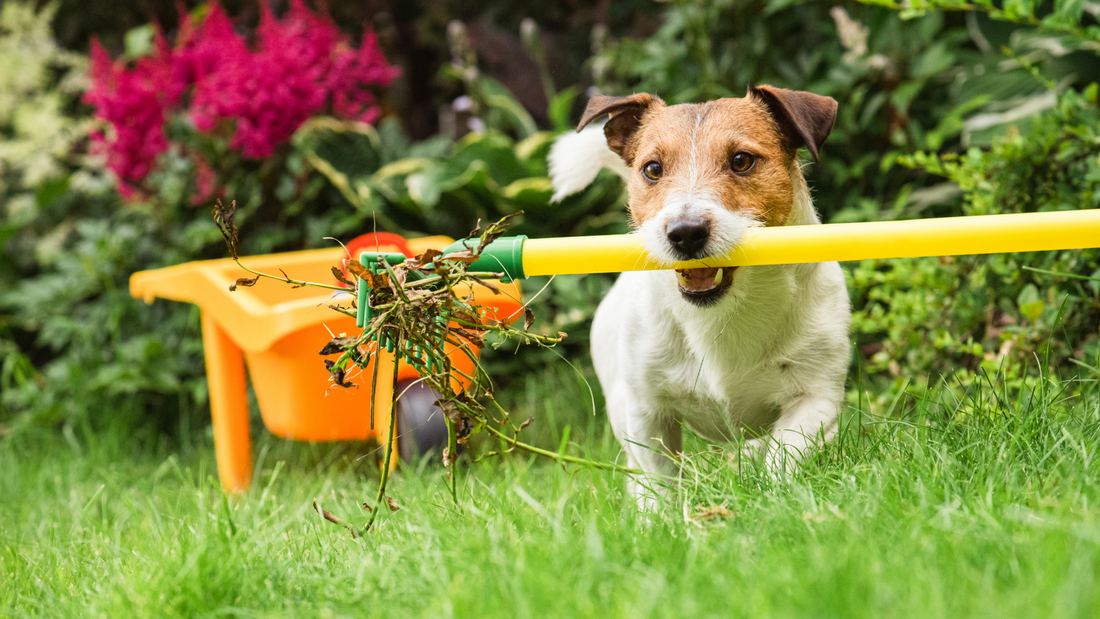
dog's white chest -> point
(721, 386)
(719, 372)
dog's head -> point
(704, 173)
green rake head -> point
(504, 255)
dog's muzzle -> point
(688, 236)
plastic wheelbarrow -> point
(276, 331)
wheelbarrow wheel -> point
(420, 425)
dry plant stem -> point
(374, 378)
(380, 499)
(452, 452)
(333, 519)
(295, 282)
(346, 312)
(559, 457)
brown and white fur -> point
(757, 353)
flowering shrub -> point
(301, 66)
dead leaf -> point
(476, 231)
(466, 255)
(338, 344)
(357, 269)
(401, 273)
(338, 374)
(525, 424)
(707, 513)
(495, 230)
(333, 519)
(247, 282)
(450, 409)
(423, 259)
(374, 280)
(470, 336)
(466, 316)
(390, 502)
(340, 277)
(223, 219)
(325, 514)
(528, 318)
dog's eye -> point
(652, 170)
(741, 162)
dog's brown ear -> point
(804, 118)
(626, 117)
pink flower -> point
(302, 67)
(134, 102)
(351, 71)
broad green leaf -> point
(402, 167)
(1019, 9)
(496, 151)
(1069, 11)
(529, 193)
(935, 60)
(1032, 311)
(1031, 306)
(533, 145)
(423, 188)
(561, 106)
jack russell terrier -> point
(757, 353)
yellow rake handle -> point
(949, 236)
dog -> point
(757, 355)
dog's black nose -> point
(688, 235)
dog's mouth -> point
(704, 286)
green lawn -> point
(955, 504)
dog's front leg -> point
(652, 441)
(805, 422)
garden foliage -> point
(945, 109)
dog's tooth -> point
(718, 277)
(681, 279)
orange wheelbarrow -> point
(276, 331)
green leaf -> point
(49, 191)
(139, 41)
(1019, 9)
(7, 232)
(1032, 311)
(495, 151)
(1031, 306)
(561, 106)
(424, 188)
(935, 60)
(1069, 11)
(529, 193)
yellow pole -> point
(949, 236)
